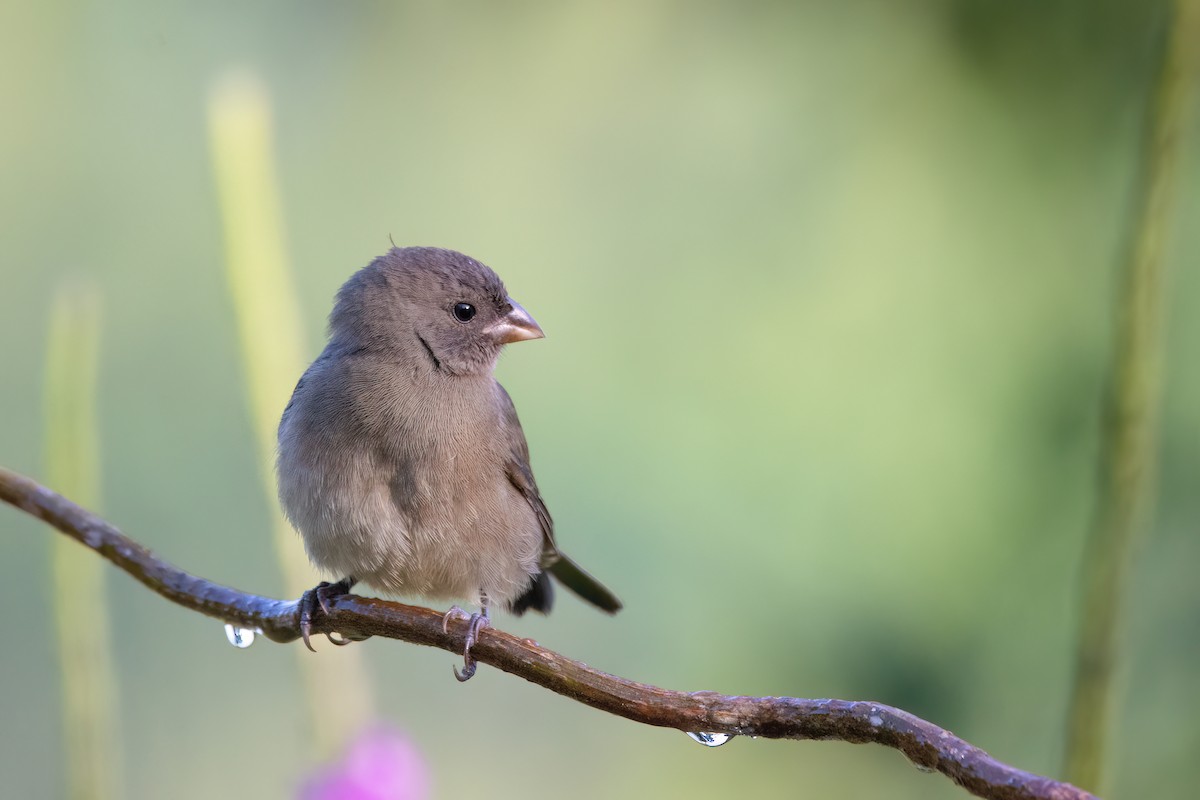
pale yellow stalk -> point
(274, 355)
(91, 730)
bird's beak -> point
(515, 326)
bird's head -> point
(430, 304)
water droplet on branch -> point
(710, 739)
(239, 637)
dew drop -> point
(925, 768)
(239, 637)
(711, 739)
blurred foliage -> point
(827, 293)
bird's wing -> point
(571, 574)
(521, 476)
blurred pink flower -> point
(381, 764)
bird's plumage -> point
(402, 461)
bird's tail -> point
(539, 596)
(574, 578)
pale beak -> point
(515, 326)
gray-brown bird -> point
(401, 459)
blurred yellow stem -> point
(89, 687)
(273, 355)
(1130, 428)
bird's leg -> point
(475, 623)
(315, 602)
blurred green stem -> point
(89, 686)
(1130, 428)
(273, 356)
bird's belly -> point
(469, 538)
(451, 540)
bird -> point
(402, 462)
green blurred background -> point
(827, 290)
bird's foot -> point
(475, 623)
(315, 602)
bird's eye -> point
(464, 312)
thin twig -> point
(925, 744)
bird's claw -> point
(454, 613)
(475, 623)
(315, 603)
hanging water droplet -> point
(239, 637)
(710, 739)
(925, 768)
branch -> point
(925, 744)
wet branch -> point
(925, 744)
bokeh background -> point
(827, 290)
